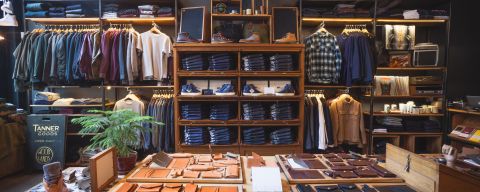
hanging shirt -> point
(322, 132)
(155, 51)
(323, 58)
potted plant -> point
(120, 129)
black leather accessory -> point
(366, 188)
(349, 187)
(381, 171)
(328, 188)
(394, 188)
(304, 188)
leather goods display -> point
(366, 188)
(127, 187)
(304, 188)
(143, 173)
(180, 163)
(149, 187)
(345, 174)
(382, 171)
(305, 155)
(365, 172)
(159, 173)
(232, 171)
(190, 187)
(190, 174)
(208, 189)
(359, 162)
(343, 168)
(330, 155)
(328, 188)
(349, 188)
(228, 162)
(177, 173)
(305, 174)
(172, 187)
(314, 164)
(212, 174)
(205, 158)
(394, 188)
(218, 156)
(255, 161)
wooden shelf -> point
(463, 140)
(270, 74)
(411, 69)
(404, 96)
(419, 22)
(235, 122)
(71, 106)
(294, 122)
(335, 86)
(206, 98)
(233, 47)
(91, 20)
(142, 21)
(452, 110)
(314, 21)
(207, 122)
(207, 145)
(207, 73)
(270, 98)
(271, 145)
(407, 133)
(380, 114)
(240, 17)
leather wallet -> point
(345, 174)
(232, 171)
(172, 187)
(330, 164)
(304, 188)
(217, 156)
(381, 171)
(127, 187)
(160, 173)
(181, 155)
(343, 168)
(305, 155)
(149, 188)
(190, 174)
(208, 189)
(228, 162)
(359, 162)
(205, 158)
(394, 188)
(212, 174)
(180, 163)
(143, 173)
(177, 173)
(365, 172)
(200, 167)
(349, 188)
(327, 188)
(228, 189)
(335, 160)
(345, 156)
(330, 155)
(190, 187)
(305, 174)
(314, 164)
(330, 173)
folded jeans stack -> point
(282, 136)
(254, 62)
(192, 111)
(392, 124)
(193, 62)
(45, 98)
(281, 63)
(87, 101)
(253, 111)
(73, 11)
(254, 136)
(195, 135)
(110, 10)
(413, 125)
(220, 62)
(281, 111)
(220, 112)
(431, 126)
(148, 11)
(56, 12)
(52, 172)
(165, 12)
(221, 135)
(36, 9)
(126, 13)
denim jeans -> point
(220, 112)
(221, 135)
(253, 111)
(191, 111)
(195, 135)
(36, 14)
(281, 111)
(282, 136)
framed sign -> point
(192, 20)
(103, 169)
(400, 59)
(285, 20)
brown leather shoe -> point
(288, 38)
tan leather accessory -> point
(160, 173)
(177, 173)
(335, 160)
(190, 174)
(228, 162)
(228, 189)
(205, 158)
(172, 187)
(232, 171)
(255, 161)
(200, 167)
(181, 155)
(218, 156)
(180, 163)
(127, 187)
(143, 173)
(190, 187)
(216, 164)
(149, 188)
(208, 189)
(212, 174)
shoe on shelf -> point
(286, 91)
(225, 90)
(184, 37)
(10, 20)
(288, 38)
(220, 38)
(254, 38)
(7, 7)
(190, 89)
(251, 90)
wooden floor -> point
(20, 181)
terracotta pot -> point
(126, 164)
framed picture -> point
(400, 59)
(399, 37)
(103, 169)
(192, 20)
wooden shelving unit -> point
(380, 114)
(462, 117)
(58, 21)
(142, 21)
(314, 21)
(239, 76)
(404, 96)
(411, 69)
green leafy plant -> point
(117, 129)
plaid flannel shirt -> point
(323, 58)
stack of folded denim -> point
(195, 135)
(282, 136)
(221, 135)
(192, 111)
(110, 10)
(56, 12)
(220, 112)
(52, 172)
(193, 62)
(36, 9)
(87, 101)
(125, 13)
(392, 124)
(73, 11)
(254, 136)
(413, 125)
(431, 126)
(281, 111)
(148, 11)
(165, 12)
(45, 98)
(281, 63)
(254, 62)
(220, 62)
(253, 111)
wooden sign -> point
(103, 169)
